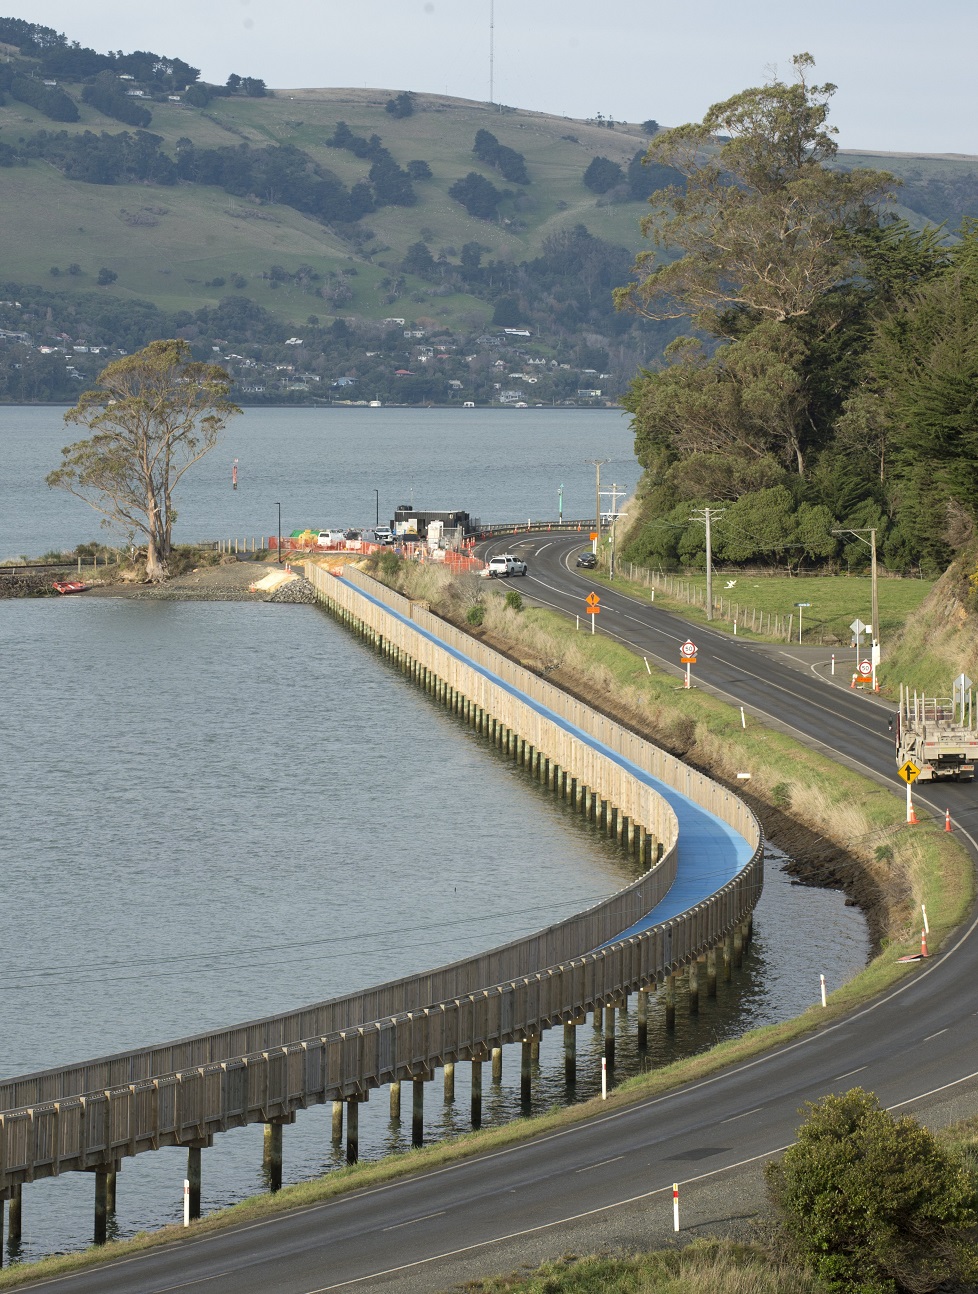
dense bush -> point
(507, 161)
(874, 1204)
(47, 99)
(478, 196)
(602, 175)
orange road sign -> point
(592, 599)
(593, 534)
(593, 611)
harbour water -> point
(213, 811)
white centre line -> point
(935, 1035)
(601, 1163)
(849, 1073)
(735, 1117)
(413, 1221)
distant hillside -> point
(246, 220)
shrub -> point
(475, 614)
(781, 795)
(513, 600)
(874, 1204)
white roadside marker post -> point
(675, 1206)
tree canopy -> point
(152, 416)
(833, 351)
(875, 1204)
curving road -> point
(609, 1181)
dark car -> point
(587, 559)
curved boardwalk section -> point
(703, 851)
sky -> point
(905, 72)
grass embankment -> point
(906, 866)
(934, 646)
(703, 1267)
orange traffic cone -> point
(923, 944)
(912, 816)
(947, 820)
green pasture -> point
(835, 601)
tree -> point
(875, 1204)
(603, 174)
(105, 277)
(477, 195)
(152, 416)
(761, 223)
(402, 105)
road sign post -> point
(593, 608)
(799, 605)
(687, 657)
(910, 771)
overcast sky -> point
(905, 71)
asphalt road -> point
(608, 1182)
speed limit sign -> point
(865, 668)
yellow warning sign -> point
(909, 771)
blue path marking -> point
(710, 852)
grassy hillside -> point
(168, 243)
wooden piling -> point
(497, 1064)
(642, 1014)
(693, 980)
(417, 1112)
(101, 1204)
(727, 957)
(449, 1077)
(670, 1001)
(193, 1177)
(570, 1054)
(477, 1093)
(338, 1118)
(395, 1101)
(14, 1204)
(352, 1130)
(272, 1156)
(711, 973)
(526, 1072)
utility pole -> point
(597, 464)
(615, 490)
(706, 515)
(875, 612)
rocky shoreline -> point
(229, 582)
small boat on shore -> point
(70, 586)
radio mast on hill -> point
(492, 29)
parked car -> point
(587, 560)
(505, 564)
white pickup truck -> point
(504, 564)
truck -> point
(504, 564)
(938, 734)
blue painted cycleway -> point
(710, 851)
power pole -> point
(706, 515)
(615, 490)
(875, 612)
(597, 464)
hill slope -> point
(237, 222)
